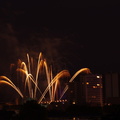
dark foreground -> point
(33, 111)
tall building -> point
(86, 89)
(111, 88)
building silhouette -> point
(86, 89)
(111, 88)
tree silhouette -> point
(32, 111)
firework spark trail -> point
(31, 82)
(48, 79)
(29, 66)
(51, 76)
(5, 80)
(58, 76)
(29, 77)
(40, 62)
(55, 88)
(87, 70)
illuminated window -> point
(98, 76)
(93, 96)
(74, 118)
(71, 91)
(87, 83)
(94, 86)
(109, 104)
(56, 105)
(98, 84)
(73, 102)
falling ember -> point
(31, 82)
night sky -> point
(71, 35)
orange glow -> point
(86, 70)
(31, 81)
(73, 102)
(94, 86)
(87, 83)
(98, 84)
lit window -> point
(73, 102)
(98, 76)
(109, 104)
(56, 105)
(98, 84)
(71, 91)
(73, 118)
(87, 83)
(93, 96)
(94, 86)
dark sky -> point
(71, 35)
